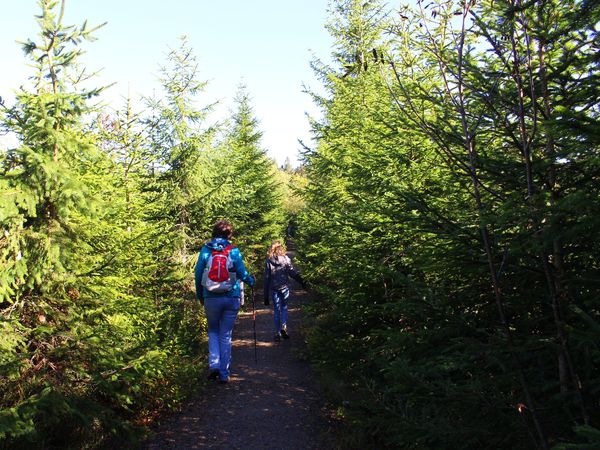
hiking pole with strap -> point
(254, 324)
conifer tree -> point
(85, 334)
(245, 176)
(180, 139)
(437, 228)
(498, 102)
(48, 171)
(287, 165)
(51, 178)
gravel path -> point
(272, 404)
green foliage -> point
(291, 183)
(101, 223)
(454, 304)
(180, 142)
(448, 221)
(243, 185)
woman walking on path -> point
(219, 271)
(278, 269)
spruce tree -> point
(90, 318)
(180, 139)
(49, 169)
(437, 227)
(245, 176)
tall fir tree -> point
(250, 195)
(49, 172)
(180, 140)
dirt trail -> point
(272, 404)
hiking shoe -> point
(277, 337)
(284, 334)
(225, 381)
(213, 375)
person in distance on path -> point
(278, 270)
(221, 303)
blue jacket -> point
(236, 257)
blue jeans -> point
(220, 317)
(280, 307)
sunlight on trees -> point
(447, 218)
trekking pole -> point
(254, 324)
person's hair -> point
(276, 249)
(222, 229)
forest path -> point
(270, 404)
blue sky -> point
(266, 44)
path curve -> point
(272, 404)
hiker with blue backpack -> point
(219, 271)
(278, 270)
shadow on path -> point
(271, 404)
